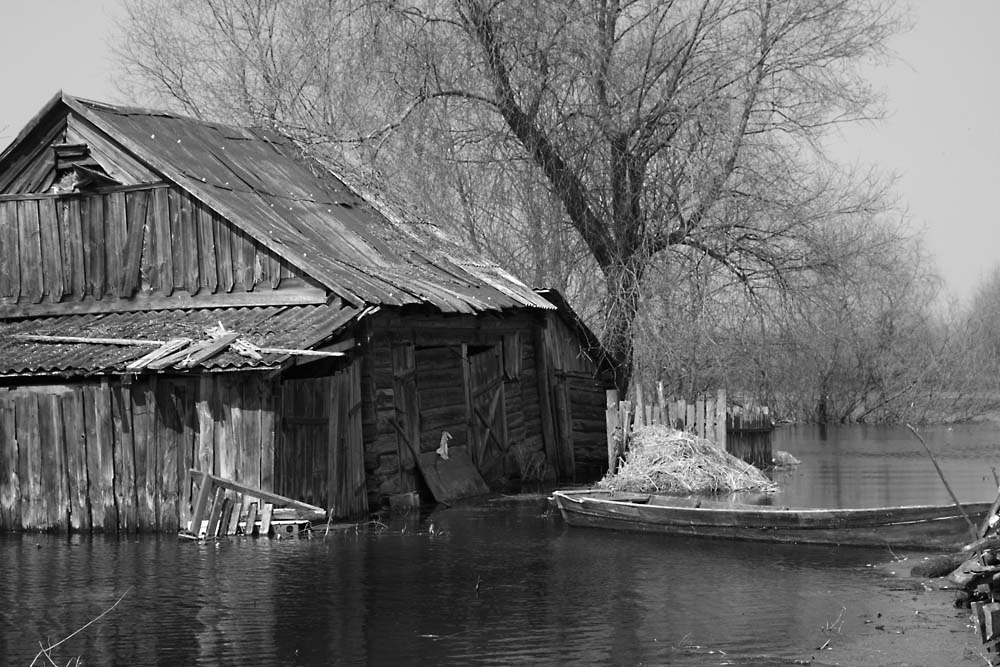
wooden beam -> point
(267, 496)
(157, 359)
(35, 338)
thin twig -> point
(46, 651)
(972, 526)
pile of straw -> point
(662, 460)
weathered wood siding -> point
(320, 456)
(131, 248)
(104, 456)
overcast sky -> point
(942, 136)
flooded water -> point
(505, 582)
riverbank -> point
(916, 624)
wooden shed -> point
(178, 294)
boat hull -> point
(914, 527)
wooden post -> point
(699, 416)
(640, 404)
(611, 418)
(662, 417)
(625, 419)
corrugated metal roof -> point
(263, 183)
(295, 327)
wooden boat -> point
(916, 526)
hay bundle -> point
(662, 460)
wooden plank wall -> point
(320, 456)
(104, 456)
(114, 245)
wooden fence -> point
(742, 431)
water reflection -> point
(496, 583)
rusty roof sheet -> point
(294, 327)
(262, 182)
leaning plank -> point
(224, 518)
(251, 519)
(267, 496)
(201, 503)
(265, 520)
(216, 513)
(234, 518)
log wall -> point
(106, 456)
(106, 249)
(513, 389)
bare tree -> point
(685, 130)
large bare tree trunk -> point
(624, 282)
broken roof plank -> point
(169, 347)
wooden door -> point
(487, 408)
(347, 494)
(407, 404)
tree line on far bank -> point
(662, 164)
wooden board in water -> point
(454, 478)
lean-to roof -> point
(290, 327)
